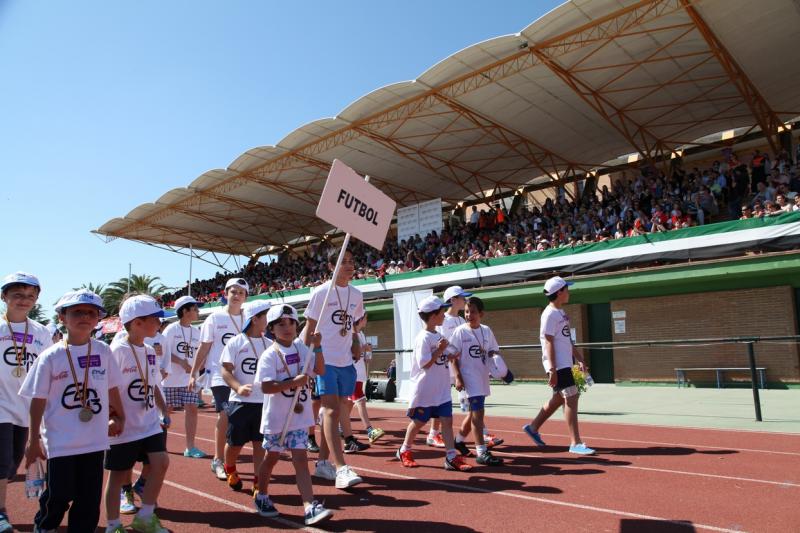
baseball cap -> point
(430, 304)
(139, 306)
(249, 310)
(277, 312)
(20, 277)
(81, 297)
(455, 290)
(555, 284)
(237, 282)
(186, 300)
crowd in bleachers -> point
(646, 201)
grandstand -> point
(631, 96)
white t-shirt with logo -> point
(157, 342)
(276, 406)
(430, 387)
(555, 322)
(361, 364)
(218, 328)
(335, 347)
(239, 352)
(140, 422)
(51, 379)
(473, 363)
(183, 343)
(14, 409)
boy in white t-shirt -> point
(358, 398)
(558, 352)
(21, 342)
(217, 329)
(280, 376)
(239, 362)
(430, 385)
(75, 407)
(476, 344)
(143, 438)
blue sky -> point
(107, 105)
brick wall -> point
(757, 312)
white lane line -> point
(549, 501)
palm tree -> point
(38, 315)
(141, 284)
(97, 289)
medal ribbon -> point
(22, 355)
(85, 388)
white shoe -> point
(325, 470)
(345, 477)
(218, 469)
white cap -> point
(555, 284)
(20, 277)
(251, 309)
(455, 290)
(139, 306)
(237, 282)
(430, 304)
(186, 300)
(81, 297)
(277, 312)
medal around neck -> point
(85, 414)
(298, 408)
(18, 372)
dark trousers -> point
(76, 479)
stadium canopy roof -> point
(588, 82)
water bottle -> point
(588, 379)
(34, 479)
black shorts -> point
(564, 379)
(124, 456)
(12, 448)
(221, 394)
(244, 423)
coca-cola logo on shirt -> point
(138, 393)
(10, 357)
(71, 398)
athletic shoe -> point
(234, 481)
(407, 459)
(492, 440)
(218, 469)
(456, 463)
(375, 434)
(5, 525)
(119, 528)
(325, 470)
(487, 459)
(149, 525)
(462, 449)
(345, 477)
(126, 504)
(436, 441)
(39, 530)
(317, 513)
(138, 487)
(265, 508)
(581, 449)
(312, 445)
(194, 453)
(352, 445)
(534, 435)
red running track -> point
(644, 478)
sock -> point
(114, 523)
(459, 438)
(451, 454)
(432, 433)
(481, 449)
(262, 497)
(404, 448)
(127, 488)
(230, 469)
(369, 429)
(146, 511)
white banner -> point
(419, 219)
(406, 326)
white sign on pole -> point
(354, 206)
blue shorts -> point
(423, 414)
(476, 403)
(338, 380)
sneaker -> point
(148, 525)
(325, 470)
(437, 441)
(487, 459)
(407, 459)
(312, 445)
(492, 440)
(265, 508)
(126, 504)
(138, 487)
(37, 529)
(352, 445)
(119, 528)
(456, 463)
(234, 481)
(194, 453)
(345, 477)
(5, 525)
(317, 513)
(218, 469)
(534, 435)
(375, 434)
(462, 448)
(581, 449)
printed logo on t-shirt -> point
(441, 360)
(476, 353)
(183, 348)
(565, 330)
(289, 393)
(248, 365)
(71, 398)
(10, 357)
(227, 337)
(341, 318)
(93, 361)
(137, 393)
